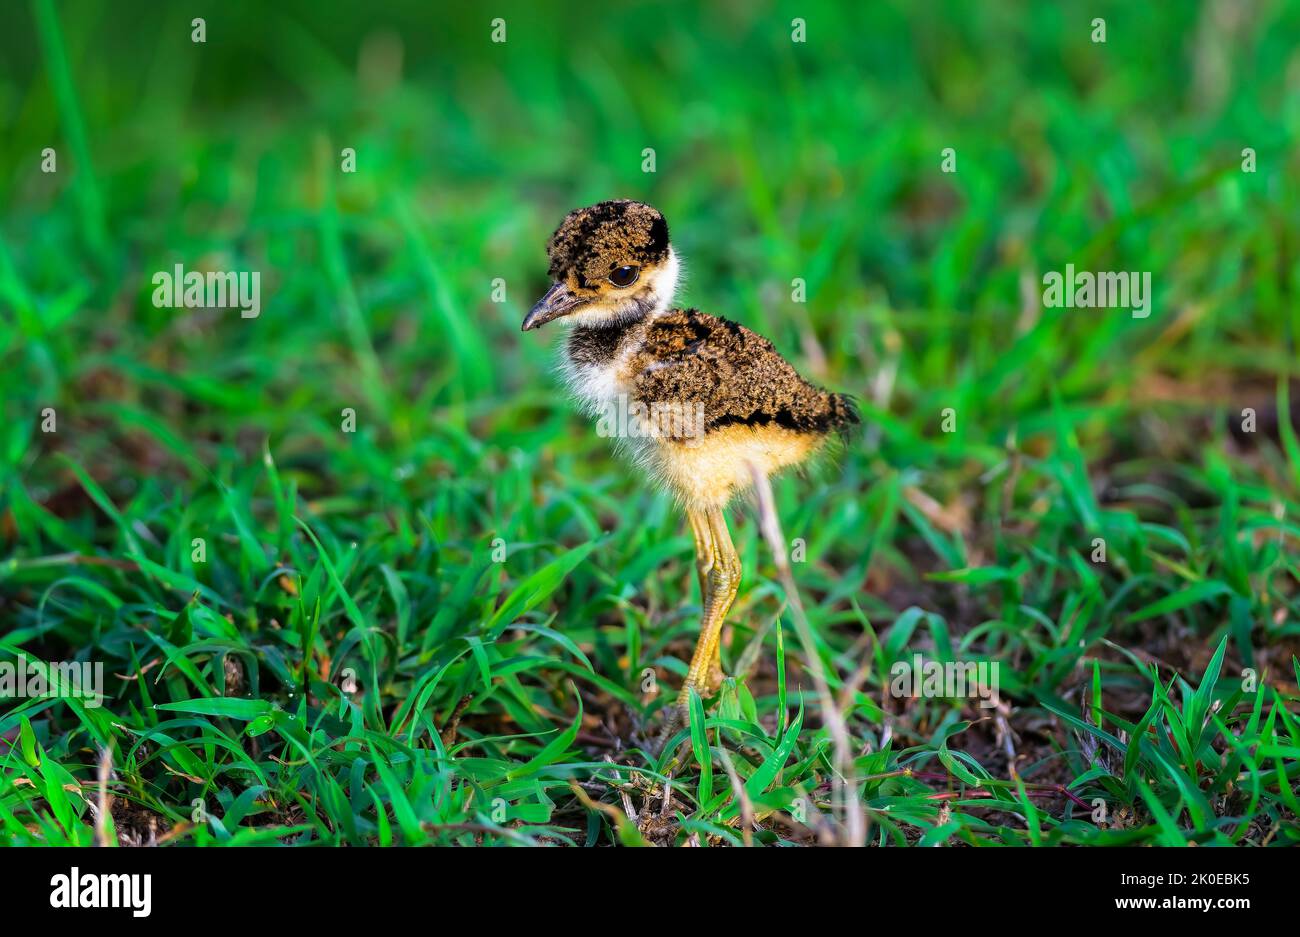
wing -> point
(733, 375)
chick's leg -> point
(704, 560)
(703, 551)
(723, 579)
(704, 565)
(725, 553)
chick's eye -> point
(623, 276)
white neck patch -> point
(665, 283)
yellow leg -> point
(713, 679)
(699, 521)
(703, 564)
(703, 551)
(722, 580)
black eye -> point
(624, 276)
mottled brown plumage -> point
(712, 402)
(591, 240)
(737, 375)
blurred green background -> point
(775, 160)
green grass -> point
(353, 662)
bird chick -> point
(701, 400)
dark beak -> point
(557, 302)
